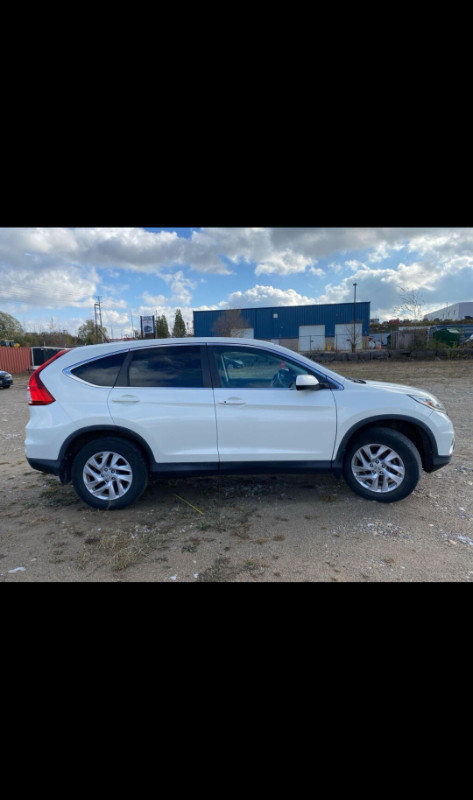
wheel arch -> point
(420, 435)
(78, 439)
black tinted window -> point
(166, 367)
(248, 368)
(102, 371)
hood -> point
(392, 387)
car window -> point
(102, 371)
(255, 369)
(166, 367)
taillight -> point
(38, 395)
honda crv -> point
(109, 416)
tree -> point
(162, 328)
(412, 304)
(10, 328)
(230, 323)
(179, 329)
(87, 333)
(350, 339)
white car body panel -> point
(178, 424)
(275, 424)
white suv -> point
(108, 416)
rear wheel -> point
(109, 473)
(382, 464)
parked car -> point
(6, 379)
(109, 416)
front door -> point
(260, 414)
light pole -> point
(354, 317)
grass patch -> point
(55, 496)
(123, 549)
(223, 571)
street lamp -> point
(354, 317)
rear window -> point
(166, 367)
(101, 372)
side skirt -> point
(239, 468)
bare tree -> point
(229, 323)
(351, 337)
(412, 304)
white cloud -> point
(267, 296)
(48, 287)
(284, 263)
(58, 268)
(439, 285)
(154, 300)
(181, 288)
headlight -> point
(430, 401)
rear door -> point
(164, 394)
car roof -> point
(92, 350)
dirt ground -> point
(307, 528)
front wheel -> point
(382, 464)
(109, 473)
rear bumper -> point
(45, 465)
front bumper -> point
(438, 462)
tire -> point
(382, 464)
(109, 473)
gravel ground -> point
(308, 528)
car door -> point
(164, 394)
(260, 414)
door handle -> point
(232, 401)
(126, 398)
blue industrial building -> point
(302, 328)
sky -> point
(50, 278)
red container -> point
(15, 359)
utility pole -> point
(98, 319)
(98, 322)
(354, 318)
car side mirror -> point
(307, 382)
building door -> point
(346, 334)
(311, 337)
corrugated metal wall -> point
(15, 359)
(282, 322)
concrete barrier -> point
(327, 356)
